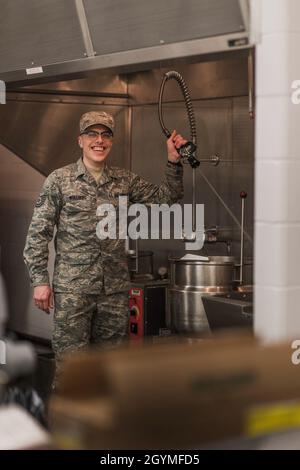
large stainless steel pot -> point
(189, 280)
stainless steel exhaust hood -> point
(60, 38)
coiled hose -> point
(189, 148)
(188, 155)
(186, 151)
(187, 100)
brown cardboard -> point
(171, 395)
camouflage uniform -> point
(91, 277)
(83, 319)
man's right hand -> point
(43, 297)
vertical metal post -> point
(243, 196)
(194, 202)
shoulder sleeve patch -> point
(41, 200)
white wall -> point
(277, 173)
(19, 188)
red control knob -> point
(243, 194)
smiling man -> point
(91, 278)
(95, 141)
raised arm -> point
(171, 189)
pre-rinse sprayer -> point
(188, 151)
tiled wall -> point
(277, 172)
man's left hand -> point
(174, 143)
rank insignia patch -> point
(41, 200)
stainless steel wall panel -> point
(220, 78)
(35, 33)
(121, 26)
(243, 155)
(214, 130)
(243, 136)
(45, 134)
(96, 82)
(19, 189)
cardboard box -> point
(170, 395)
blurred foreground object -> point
(20, 359)
(16, 358)
(17, 361)
(3, 304)
(174, 395)
(19, 431)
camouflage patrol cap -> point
(96, 117)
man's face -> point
(95, 147)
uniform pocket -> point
(76, 258)
(73, 207)
(73, 271)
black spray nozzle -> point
(187, 151)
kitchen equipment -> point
(186, 151)
(243, 278)
(243, 196)
(247, 284)
(147, 306)
(188, 154)
(190, 279)
(141, 265)
(232, 310)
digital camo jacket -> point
(69, 201)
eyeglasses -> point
(105, 135)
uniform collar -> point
(81, 169)
(107, 174)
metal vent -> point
(36, 33)
(67, 37)
(122, 26)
